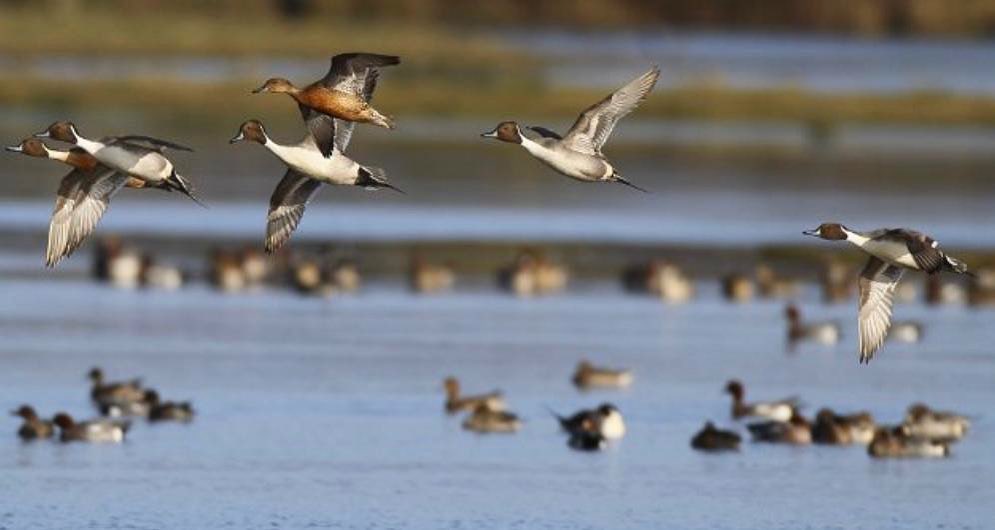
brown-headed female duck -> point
(773, 410)
(587, 377)
(829, 430)
(818, 332)
(711, 439)
(938, 426)
(33, 427)
(455, 402)
(119, 393)
(896, 443)
(483, 419)
(795, 431)
(168, 410)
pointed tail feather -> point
(181, 184)
(958, 266)
(374, 178)
(618, 178)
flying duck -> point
(578, 153)
(892, 251)
(134, 155)
(773, 410)
(342, 94)
(33, 427)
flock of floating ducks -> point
(117, 402)
(331, 106)
(923, 433)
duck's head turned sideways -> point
(276, 85)
(830, 231)
(506, 131)
(63, 131)
(30, 147)
(251, 130)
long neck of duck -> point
(89, 146)
(55, 154)
(856, 237)
(531, 146)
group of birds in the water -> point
(587, 429)
(330, 108)
(924, 432)
(117, 402)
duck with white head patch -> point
(137, 156)
(578, 153)
(892, 251)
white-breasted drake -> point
(33, 428)
(818, 332)
(484, 419)
(343, 93)
(605, 420)
(587, 441)
(781, 410)
(100, 430)
(713, 439)
(892, 251)
(81, 199)
(587, 376)
(938, 426)
(307, 170)
(895, 443)
(137, 156)
(578, 153)
(796, 431)
(456, 402)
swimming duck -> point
(606, 420)
(773, 285)
(33, 427)
(939, 291)
(137, 156)
(709, 438)
(737, 287)
(669, 282)
(578, 154)
(980, 291)
(774, 410)
(795, 431)
(861, 426)
(589, 376)
(168, 410)
(532, 275)
(891, 251)
(344, 94)
(829, 430)
(424, 277)
(156, 275)
(484, 419)
(457, 403)
(819, 332)
(307, 170)
(82, 198)
(938, 426)
(894, 443)
(117, 393)
(906, 331)
(97, 431)
(836, 281)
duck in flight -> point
(578, 153)
(892, 251)
(133, 155)
(342, 93)
(82, 198)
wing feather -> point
(593, 127)
(877, 286)
(82, 199)
(286, 207)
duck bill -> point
(237, 138)
(14, 148)
(43, 134)
(260, 90)
(813, 233)
(492, 134)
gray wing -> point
(924, 249)
(544, 132)
(82, 199)
(286, 207)
(151, 143)
(593, 127)
(877, 285)
(348, 70)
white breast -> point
(894, 252)
(336, 169)
(557, 159)
(613, 426)
(151, 166)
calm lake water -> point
(327, 413)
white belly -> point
(612, 426)
(336, 169)
(569, 164)
(151, 167)
(894, 252)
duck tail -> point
(957, 266)
(381, 120)
(374, 178)
(561, 419)
(181, 184)
(618, 178)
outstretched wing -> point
(152, 143)
(544, 132)
(925, 251)
(82, 200)
(877, 285)
(348, 70)
(286, 207)
(593, 127)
